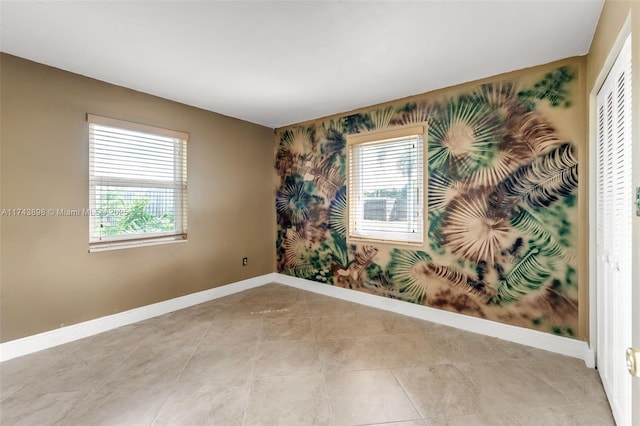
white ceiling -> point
(278, 63)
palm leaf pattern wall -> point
(501, 200)
(540, 183)
(409, 270)
(462, 134)
(471, 231)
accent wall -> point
(502, 211)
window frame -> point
(178, 184)
(389, 135)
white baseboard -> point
(537, 339)
(590, 357)
(49, 339)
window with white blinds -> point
(137, 184)
(386, 186)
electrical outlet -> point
(245, 261)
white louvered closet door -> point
(614, 213)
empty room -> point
(320, 212)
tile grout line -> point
(322, 373)
(178, 376)
(413, 404)
(33, 378)
(253, 365)
(102, 383)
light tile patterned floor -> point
(276, 355)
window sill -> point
(119, 245)
(390, 243)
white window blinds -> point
(386, 186)
(137, 182)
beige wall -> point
(48, 277)
(612, 20)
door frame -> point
(621, 38)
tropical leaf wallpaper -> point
(502, 204)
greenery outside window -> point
(137, 184)
(386, 186)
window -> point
(386, 186)
(137, 184)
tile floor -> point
(276, 355)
